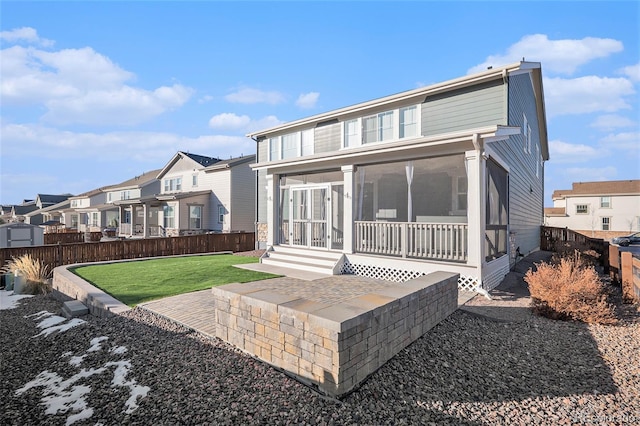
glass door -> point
(309, 212)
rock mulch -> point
(471, 369)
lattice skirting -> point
(468, 283)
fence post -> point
(626, 275)
(614, 264)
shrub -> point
(565, 249)
(570, 290)
(35, 272)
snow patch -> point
(8, 300)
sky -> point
(94, 93)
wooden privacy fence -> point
(70, 237)
(624, 269)
(550, 237)
(65, 254)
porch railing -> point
(439, 241)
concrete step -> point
(300, 264)
(74, 308)
(304, 252)
(295, 258)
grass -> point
(142, 281)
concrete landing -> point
(74, 308)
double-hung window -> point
(290, 145)
(606, 223)
(582, 208)
(605, 202)
(169, 217)
(377, 128)
(351, 134)
(408, 122)
(174, 184)
(195, 217)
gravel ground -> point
(468, 370)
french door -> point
(310, 210)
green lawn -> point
(136, 282)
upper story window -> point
(174, 184)
(74, 203)
(194, 180)
(377, 128)
(408, 122)
(582, 209)
(605, 202)
(385, 126)
(109, 196)
(125, 195)
(291, 145)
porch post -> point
(133, 220)
(120, 216)
(347, 217)
(476, 199)
(144, 220)
(271, 212)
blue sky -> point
(94, 93)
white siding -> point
(624, 213)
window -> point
(174, 184)
(537, 155)
(605, 202)
(377, 128)
(169, 217)
(125, 195)
(94, 219)
(274, 149)
(194, 180)
(195, 217)
(606, 223)
(74, 203)
(528, 139)
(351, 134)
(290, 144)
(582, 209)
(109, 195)
(307, 141)
(221, 211)
(74, 221)
(408, 122)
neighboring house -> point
(445, 177)
(86, 211)
(42, 201)
(125, 209)
(597, 209)
(204, 194)
(50, 217)
(19, 211)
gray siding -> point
(476, 106)
(327, 138)
(262, 196)
(263, 151)
(525, 188)
(243, 202)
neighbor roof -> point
(555, 211)
(52, 199)
(134, 182)
(612, 187)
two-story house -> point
(85, 211)
(204, 194)
(445, 177)
(42, 201)
(597, 209)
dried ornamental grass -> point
(35, 272)
(570, 290)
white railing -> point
(440, 241)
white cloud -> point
(264, 123)
(248, 95)
(148, 149)
(26, 34)
(307, 100)
(564, 152)
(558, 56)
(632, 72)
(612, 121)
(591, 174)
(229, 121)
(81, 86)
(627, 141)
(586, 94)
(205, 99)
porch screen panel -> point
(284, 216)
(497, 215)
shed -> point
(20, 235)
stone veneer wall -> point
(334, 352)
